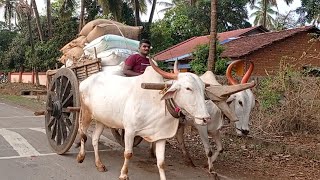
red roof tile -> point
(247, 44)
(188, 46)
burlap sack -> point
(63, 59)
(66, 48)
(103, 29)
(74, 53)
(80, 41)
(90, 25)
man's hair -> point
(144, 41)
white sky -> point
(283, 9)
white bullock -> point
(120, 102)
(240, 103)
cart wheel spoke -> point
(66, 86)
(66, 101)
(68, 123)
(54, 130)
(51, 122)
(63, 129)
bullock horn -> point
(231, 80)
(162, 72)
(175, 67)
(248, 73)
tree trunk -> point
(49, 19)
(37, 77)
(81, 23)
(36, 13)
(32, 44)
(137, 12)
(213, 36)
(154, 2)
(265, 3)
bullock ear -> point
(171, 93)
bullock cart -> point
(63, 104)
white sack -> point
(110, 41)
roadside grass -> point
(32, 104)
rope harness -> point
(172, 107)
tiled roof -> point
(247, 44)
(188, 46)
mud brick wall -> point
(296, 50)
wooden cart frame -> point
(63, 105)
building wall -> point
(295, 50)
(27, 77)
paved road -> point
(25, 154)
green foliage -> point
(175, 27)
(14, 57)
(199, 63)
(44, 56)
(309, 12)
(6, 38)
(184, 21)
(127, 16)
(46, 53)
(272, 89)
(270, 97)
(221, 66)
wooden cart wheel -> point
(118, 134)
(62, 125)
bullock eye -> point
(240, 103)
(188, 89)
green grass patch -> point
(29, 103)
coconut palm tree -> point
(261, 18)
(9, 10)
(36, 13)
(111, 6)
(213, 36)
(139, 6)
(81, 21)
(265, 3)
(49, 18)
(169, 5)
(154, 3)
(67, 8)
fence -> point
(27, 77)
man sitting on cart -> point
(137, 63)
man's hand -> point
(127, 70)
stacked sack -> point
(113, 41)
(111, 49)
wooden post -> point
(32, 76)
(20, 76)
(9, 77)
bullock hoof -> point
(211, 171)
(80, 158)
(102, 168)
(215, 175)
(124, 177)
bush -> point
(200, 61)
(289, 102)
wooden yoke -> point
(158, 86)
